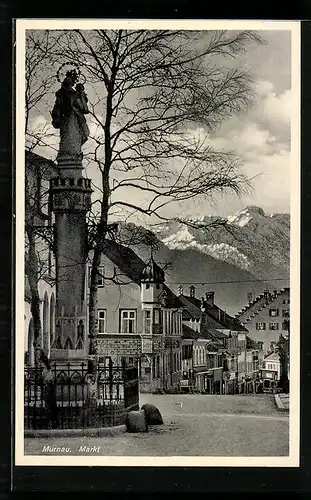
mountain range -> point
(234, 256)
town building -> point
(39, 238)
(267, 316)
(218, 355)
(139, 318)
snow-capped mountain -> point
(249, 239)
(246, 252)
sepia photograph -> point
(157, 243)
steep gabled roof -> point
(272, 356)
(189, 333)
(40, 161)
(251, 344)
(217, 334)
(215, 318)
(125, 259)
(133, 266)
(256, 305)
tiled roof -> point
(251, 344)
(189, 333)
(217, 334)
(272, 356)
(255, 306)
(40, 161)
(216, 318)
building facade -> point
(218, 355)
(139, 318)
(267, 317)
(39, 235)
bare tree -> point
(38, 84)
(152, 92)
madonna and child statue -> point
(68, 116)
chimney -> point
(260, 345)
(266, 293)
(202, 304)
(181, 290)
(275, 292)
(250, 297)
(210, 298)
(192, 291)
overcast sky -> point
(261, 136)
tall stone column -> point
(70, 199)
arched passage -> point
(31, 349)
(46, 325)
(52, 319)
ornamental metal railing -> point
(64, 398)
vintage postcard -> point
(157, 243)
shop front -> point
(209, 381)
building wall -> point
(47, 315)
(272, 364)
(113, 298)
(260, 325)
(158, 360)
(38, 173)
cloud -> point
(42, 137)
(260, 137)
(272, 106)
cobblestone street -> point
(194, 425)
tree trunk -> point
(101, 233)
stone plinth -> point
(70, 341)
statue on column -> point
(68, 116)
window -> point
(285, 325)
(100, 276)
(273, 326)
(128, 321)
(273, 312)
(158, 286)
(147, 286)
(285, 313)
(260, 326)
(147, 321)
(156, 316)
(101, 313)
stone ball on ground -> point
(136, 421)
(153, 415)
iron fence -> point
(61, 397)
